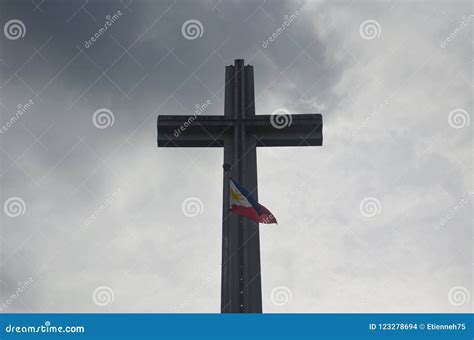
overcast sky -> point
(379, 219)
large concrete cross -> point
(239, 132)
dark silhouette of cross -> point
(239, 132)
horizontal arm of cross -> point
(269, 130)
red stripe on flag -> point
(266, 216)
(250, 212)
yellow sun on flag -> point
(236, 195)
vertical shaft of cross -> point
(241, 279)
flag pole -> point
(226, 167)
(225, 297)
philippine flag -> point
(243, 203)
